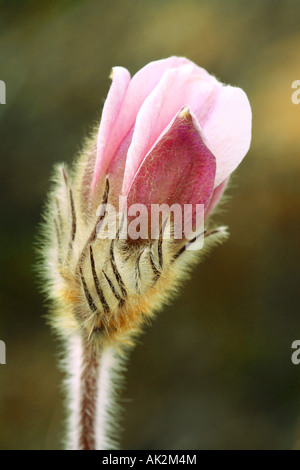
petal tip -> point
(184, 113)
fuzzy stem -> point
(91, 395)
(88, 399)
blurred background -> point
(214, 371)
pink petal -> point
(115, 171)
(178, 87)
(227, 130)
(179, 168)
(111, 110)
(123, 102)
(217, 194)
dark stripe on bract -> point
(101, 217)
(138, 272)
(115, 270)
(159, 248)
(183, 248)
(93, 234)
(73, 216)
(87, 294)
(116, 294)
(65, 176)
(154, 268)
(97, 283)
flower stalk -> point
(90, 390)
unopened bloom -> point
(172, 135)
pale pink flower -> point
(171, 134)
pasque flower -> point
(172, 135)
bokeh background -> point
(214, 371)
